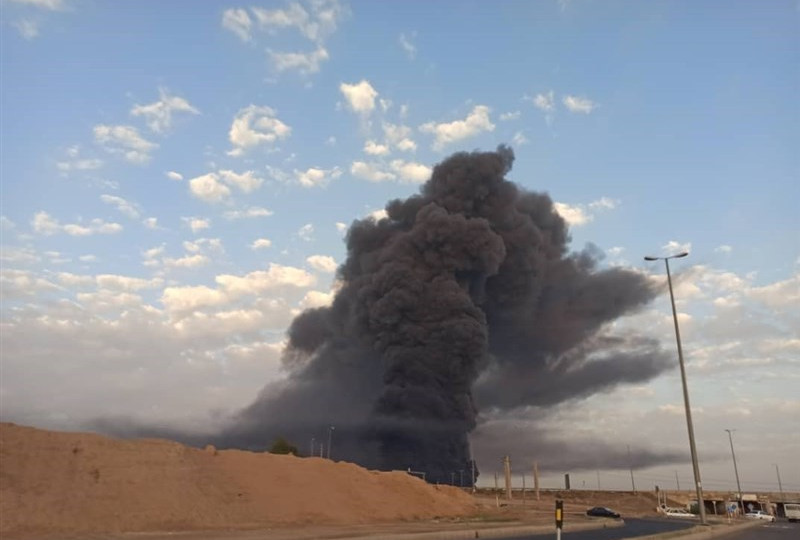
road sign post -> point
(559, 518)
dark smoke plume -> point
(464, 297)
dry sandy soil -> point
(74, 484)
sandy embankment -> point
(52, 482)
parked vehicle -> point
(602, 511)
(760, 514)
(792, 511)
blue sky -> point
(177, 183)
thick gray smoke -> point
(464, 298)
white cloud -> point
(322, 263)
(577, 104)
(53, 5)
(27, 28)
(172, 175)
(604, 203)
(306, 232)
(277, 276)
(574, 215)
(505, 117)
(238, 22)
(673, 247)
(406, 145)
(316, 25)
(360, 97)
(316, 299)
(252, 212)
(398, 136)
(246, 181)
(187, 261)
(261, 243)
(445, 133)
(79, 164)
(723, 249)
(125, 141)
(45, 224)
(158, 115)
(330, 141)
(411, 171)
(117, 282)
(378, 215)
(615, 251)
(341, 227)
(519, 139)
(151, 223)
(544, 102)
(209, 188)
(254, 126)
(314, 177)
(370, 171)
(197, 224)
(303, 62)
(374, 149)
(125, 207)
(408, 46)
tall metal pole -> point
(630, 463)
(780, 486)
(735, 469)
(690, 427)
(330, 434)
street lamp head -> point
(679, 255)
(649, 258)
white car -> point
(760, 514)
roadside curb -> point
(700, 532)
(487, 532)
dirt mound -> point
(54, 482)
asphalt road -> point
(631, 529)
(780, 530)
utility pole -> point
(677, 481)
(507, 470)
(633, 484)
(536, 478)
(330, 434)
(735, 469)
(780, 486)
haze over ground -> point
(176, 187)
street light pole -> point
(697, 482)
(330, 434)
(780, 486)
(735, 469)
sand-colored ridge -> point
(56, 482)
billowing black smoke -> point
(464, 297)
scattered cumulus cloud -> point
(374, 149)
(151, 223)
(577, 104)
(252, 212)
(505, 117)
(246, 182)
(124, 141)
(519, 139)
(261, 243)
(27, 28)
(360, 96)
(306, 232)
(580, 214)
(544, 102)
(43, 223)
(129, 209)
(238, 22)
(197, 224)
(445, 133)
(370, 171)
(158, 115)
(410, 171)
(407, 45)
(341, 227)
(254, 126)
(315, 177)
(172, 175)
(209, 188)
(305, 63)
(673, 247)
(322, 263)
(52, 5)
